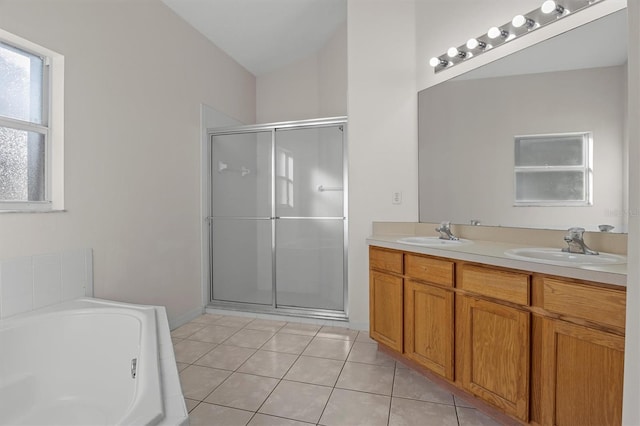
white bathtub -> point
(87, 362)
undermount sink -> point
(432, 241)
(555, 256)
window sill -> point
(31, 211)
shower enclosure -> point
(278, 222)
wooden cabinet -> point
(542, 349)
(493, 338)
(582, 353)
(386, 292)
(428, 324)
(582, 371)
(493, 343)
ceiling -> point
(264, 35)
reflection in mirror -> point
(574, 83)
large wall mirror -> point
(469, 128)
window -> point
(284, 177)
(30, 131)
(553, 170)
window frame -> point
(586, 168)
(52, 127)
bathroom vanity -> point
(543, 344)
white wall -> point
(313, 87)
(383, 147)
(136, 76)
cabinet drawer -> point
(385, 260)
(602, 305)
(429, 269)
(496, 283)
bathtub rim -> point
(147, 405)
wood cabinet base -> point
(582, 372)
(538, 349)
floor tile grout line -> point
(457, 417)
(228, 406)
(367, 392)
(216, 387)
(268, 396)
(333, 388)
(195, 406)
(326, 404)
(393, 383)
(423, 400)
(307, 383)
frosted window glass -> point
(550, 186)
(21, 83)
(22, 165)
(553, 169)
(550, 151)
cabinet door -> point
(582, 371)
(428, 322)
(385, 309)
(493, 343)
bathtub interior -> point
(72, 365)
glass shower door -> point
(310, 218)
(241, 232)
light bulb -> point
(495, 32)
(452, 52)
(474, 43)
(520, 20)
(550, 6)
(434, 62)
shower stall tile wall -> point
(32, 282)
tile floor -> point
(239, 370)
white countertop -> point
(493, 253)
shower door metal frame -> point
(274, 308)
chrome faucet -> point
(445, 231)
(576, 243)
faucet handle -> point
(577, 231)
(444, 225)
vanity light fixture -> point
(550, 11)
